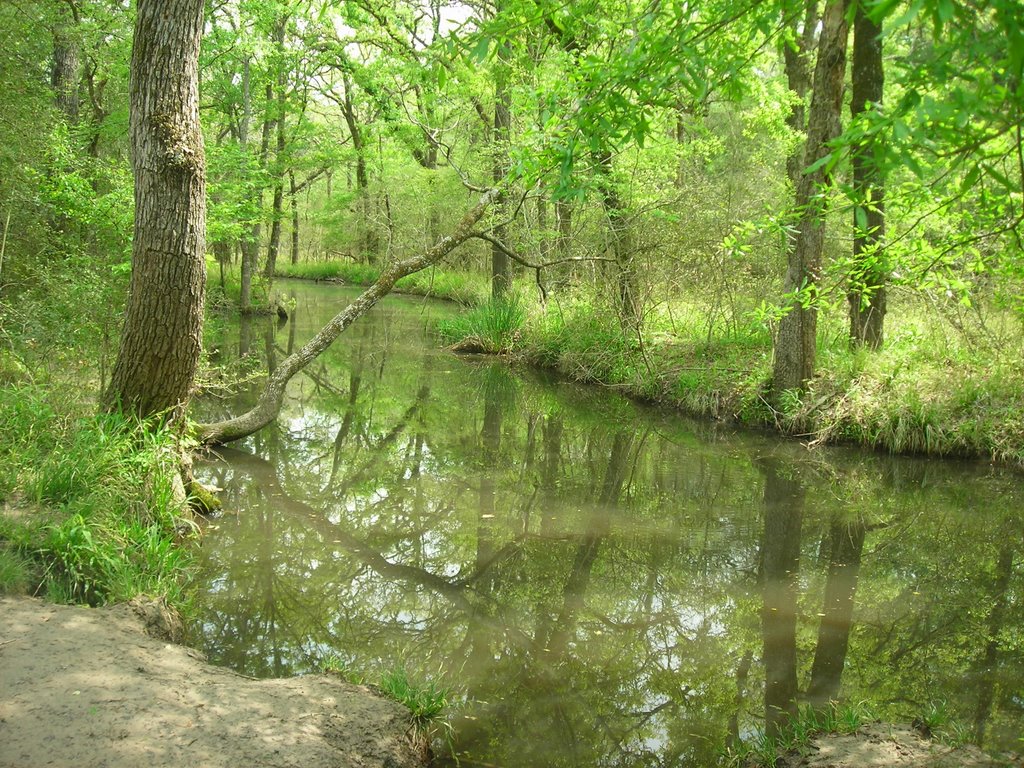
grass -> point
(927, 391)
(427, 702)
(493, 327)
(765, 750)
(462, 287)
(90, 512)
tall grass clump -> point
(426, 702)
(493, 327)
(90, 503)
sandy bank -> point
(84, 687)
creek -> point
(599, 582)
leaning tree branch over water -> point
(269, 403)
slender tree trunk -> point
(367, 237)
(162, 336)
(293, 196)
(847, 542)
(501, 265)
(869, 274)
(620, 242)
(563, 215)
(274, 246)
(795, 344)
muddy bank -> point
(881, 745)
(88, 687)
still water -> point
(599, 583)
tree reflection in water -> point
(602, 584)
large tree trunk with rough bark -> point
(795, 343)
(269, 403)
(162, 336)
(868, 276)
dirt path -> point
(88, 688)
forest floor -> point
(92, 687)
(880, 745)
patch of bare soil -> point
(882, 744)
(89, 688)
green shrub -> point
(98, 515)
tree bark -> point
(868, 276)
(620, 245)
(162, 336)
(795, 344)
(65, 72)
(293, 196)
(367, 236)
(501, 265)
(281, 107)
(269, 403)
(798, 78)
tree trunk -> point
(274, 246)
(869, 273)
(65, 72)
(367, 237)
(795, 343)
(293, 196)
(563, 216)
(620, 242)
(798, 78)
(269, 403)
(501, 265)
(162, 336)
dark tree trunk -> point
(847, 542)
(293, 197)
(367, 235)
(563, 215)
(65, 72)
(798, 77)
(780, 553)
(501, 265)
(795, 349)
(162, 336)
(280, 108)
(620, 245)
(869, 273)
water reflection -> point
(601, 583)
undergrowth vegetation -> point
(428, 703)
(89, 509)
(763, 750)
(932, 389)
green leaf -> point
(479, 52)
(819, 163)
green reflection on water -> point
(603, 584)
